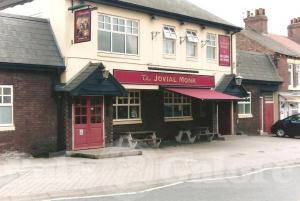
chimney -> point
(257, 22)
(294, 30)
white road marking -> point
(177, 183)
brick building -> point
(30, 66)
(140, 65)
(284, 53)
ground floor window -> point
(177, 106)
(244, 109)
(127, 107)
(6, 105)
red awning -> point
(203, 94)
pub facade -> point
(134, 66)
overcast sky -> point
(279, 12)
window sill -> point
(188, 58)
(212, 60)
(118, 55)
(7, 128)
(174, 119)
(127, 122)
(245, 116)
(169, 56)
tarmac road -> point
(279, 184)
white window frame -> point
(4, 127)
(297, 66)
(128, 105)
(192, 40)
(211, 44)
(125, 32)
(291, 72)
(180, 104)
(244, 103)
(169, 36)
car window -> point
(296, 118)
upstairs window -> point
(211, 46)
(118, 35)
(297, 75)
(191, 43)
(169, 40)
(6, 105)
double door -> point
(88, 122)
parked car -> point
(289, 126)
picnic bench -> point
(194, 134)
(136, 137)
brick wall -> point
(282, 66)
(35, 112)
(251, 125)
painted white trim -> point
(141, 87)
(7, 128)
(11, 125)
(127, 122)
(245, 116)
(174, 119)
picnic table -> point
(136, 137)
(194, 134)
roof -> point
(224, 82)
(270, 43)
(178, 9)
(28, 40)
(284, 40)
(228, 86)
(256, 66)
(90, 81)
(10, 3)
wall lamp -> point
(238, 80)
(105, 73)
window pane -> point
(131, 44)
(177, 110)
(190, 49)
(6, 115)
(187, 110)
(123, 112)
(168, 111)
(104, 41)
(6, 91)
(241, 109)
(211, 53)
(134, 112)
(247, 109)
(118, 43)
(6, 99)
(169, 46)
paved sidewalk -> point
(38, 179)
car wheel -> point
(280, 133)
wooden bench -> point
(136, 137)
(194, 134)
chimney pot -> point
(294, 30)
(248, 13)
(256, 12)
(264, 11)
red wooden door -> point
(88, 122)
(268, 113)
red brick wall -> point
(282, 66)
(35, 112)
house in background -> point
(262, 82)
(168, 55)
(255, 37)
(30, 66)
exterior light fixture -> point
(238, 80)
(105, 73)
(82, 5)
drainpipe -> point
(231, 49)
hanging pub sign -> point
(82, 26)
(224, 50)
